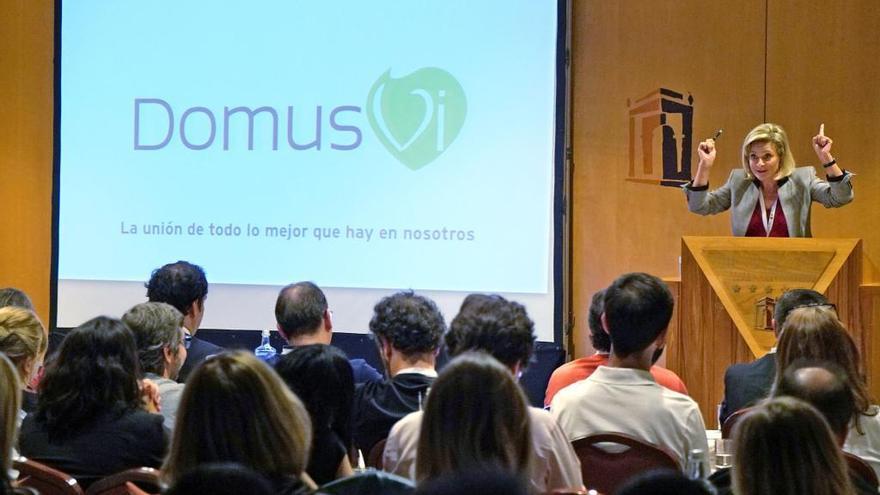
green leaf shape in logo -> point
(417, 117)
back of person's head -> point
(10, 403)
(23, 340)
(179, 284)
(638, 307)
(792, 299)
(299, 309)
(95, 371)
(823, 385)
(783, 446)
(156, 328)
(235, 408)
(494, 325)
(321, 376)
(598, 336)
(476, 416)
(410, 323)
(486, 481)
(10, 296)
(221, 478)
(815, 333)
(663, 482)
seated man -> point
(184, 286)
(504, 330)
(579, 369)
(407, 328)
(747, 383)
(303, 318)
(622, 396)
(161, 351)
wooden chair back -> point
(147, 479)
(44, 479)
(606, 471)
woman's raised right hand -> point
(706, 152)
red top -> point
(580, 369)
(756, 224)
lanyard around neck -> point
(768, 219)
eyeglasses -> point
(831, 306)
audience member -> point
(503, 329)
(407, 328)
(90, 420)
(747, 383)
(476, 417)
(222, 478)
(161, 351)
(663, 482)
(10, 405)
(474, 481)
(579, 369)
(784, 447)
(623, 397)
(184, 286)
(23, 340)
(815, 333)
(236, 409)
(10, 296)
(321, 376)
(303, 318)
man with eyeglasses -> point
(747, 383)
(159, 335)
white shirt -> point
(629, 401)
(866, 445)
(554, 466)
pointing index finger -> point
(822, 130)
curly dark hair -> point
(412, 324)
(492, 324)
(178, 284)
(95, 372)
(321, 376)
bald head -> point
(824, 386)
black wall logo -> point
(660, 125)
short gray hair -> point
(155, 326)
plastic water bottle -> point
(265, 351)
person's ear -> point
(168, 354)
(281, 331)
(604, 320)
(328, 320)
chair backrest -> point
(605, 471)
(860, 467)
(147, 479)
(374, 458)
(369, 482)
(46, 480)
(730, 422)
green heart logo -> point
(417, 117)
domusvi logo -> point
(417, 116)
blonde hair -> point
(235, 408)
(10, 403)
(784, 447)
(22, 337)
(476, 416)
(775, 135)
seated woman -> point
(784, 447)
(10, 403)
(768, 196)
(476, 417)
(90, 420)
(322, 377)
(236, 409)
(815, 333)
(23, 339)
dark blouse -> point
(756, 223)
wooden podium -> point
(719, 311)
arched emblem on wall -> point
(660, 130)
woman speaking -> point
(769, 197)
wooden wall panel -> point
(26, 46)
(869, 297)
(624, 50)
(823, 61)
